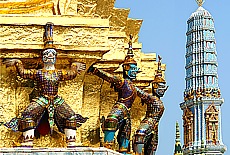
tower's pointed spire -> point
(178, 149)
(200, 2)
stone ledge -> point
(65, 20)
(58, 151)
(13, 46)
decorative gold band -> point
(71, 124)
(26, 124)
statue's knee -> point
(109, 128)
(138, 148)
(71, 123)
(26, 123)
(110, 124)
(138, 141)
(139, 136)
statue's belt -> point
(123, 107)
(46, 101)
(50, 102)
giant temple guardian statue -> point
(145, 140)
(47, 108)
(119, 116)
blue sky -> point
(163, 32)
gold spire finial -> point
(200, 2)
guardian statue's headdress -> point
(158, 76)
(129, 57)
(48, 36)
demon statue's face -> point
(49, 56)
(132, 71)
(160, 89)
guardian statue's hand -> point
(79, 66)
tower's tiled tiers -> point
(58, 151)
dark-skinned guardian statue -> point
(119, 116)
(145, 140)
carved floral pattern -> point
(212, 119)
(188, 127)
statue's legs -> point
(118, 118)
(67, 122)
(139, 141)
(143, 139)
(109, 140)
(109, 128)
(152, 143)
(70, 137)
(123, 136)
(28, 137)
(27, 124)
(142, 144)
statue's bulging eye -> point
(46, 52)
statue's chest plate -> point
(127, 93)
(51, 78)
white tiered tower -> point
(202, 97)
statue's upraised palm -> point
(80, 66)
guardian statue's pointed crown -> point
(158, 76)
(48, 36)
(129, 57)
